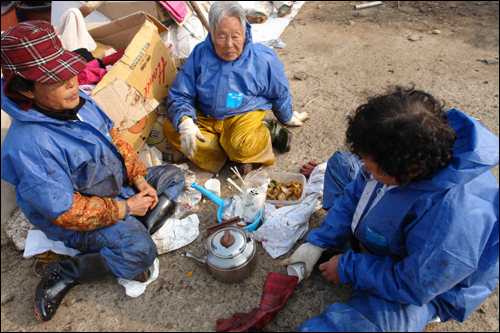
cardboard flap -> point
(146, 64)
(123, 104)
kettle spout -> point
(200, 262)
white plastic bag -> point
(254, 196)
(136, 288)
(176, 233)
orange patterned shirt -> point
(92, 213)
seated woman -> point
(75, 177)
(220, 95)
(419, 199)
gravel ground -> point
(349, 56)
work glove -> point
(189, 133)
(298, 119)
(307, 169)
(277, 290)
(306, 253)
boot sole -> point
(37, 315)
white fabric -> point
(298, 119)
(189, 132)
(136, 288)
(284, 226)
(73, 33)
(306, 253)
(37, 243)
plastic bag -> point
(232, 207)
(176, 233)
(254, 196)
(136, 288)
(188, 200)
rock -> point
(350, 22)
(495, 106)
(436, 31)
(414, 38)
(301, 76)
(70, 302)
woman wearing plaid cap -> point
(75, 178)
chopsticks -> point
(234, 184)
(221, 225)
(237, 173)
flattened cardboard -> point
(123, 104)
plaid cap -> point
(33, 51)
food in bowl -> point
(284, 192)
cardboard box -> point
(145, 66)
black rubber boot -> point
(280, 136)
(61, 277)
(156, 218)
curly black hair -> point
(404, 132)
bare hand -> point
(331, 269)
(139, 203)
(307, 169)
(144, 186)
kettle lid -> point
(222, 249)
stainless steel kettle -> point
(229, 254)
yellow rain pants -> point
(242, 138)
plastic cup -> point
(213, 185)
(297, 269)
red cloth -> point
(113, 58)
(277, 290)
(92, 74)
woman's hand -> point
(144, 186)
(331, 269)
(139, 203)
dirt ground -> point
(349, 55)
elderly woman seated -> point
(221, 95)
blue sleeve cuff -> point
(342, 265)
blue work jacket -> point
(433, 241)
(48, 159)
(256, 80)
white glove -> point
(298, 119)
(306, 253)
(189, 132)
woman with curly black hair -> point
(423, 212)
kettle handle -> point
(249, 235)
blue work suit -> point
(220, 89)
(433, 244)
(47, 159)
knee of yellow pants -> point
(246, 140)
(210, 155)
